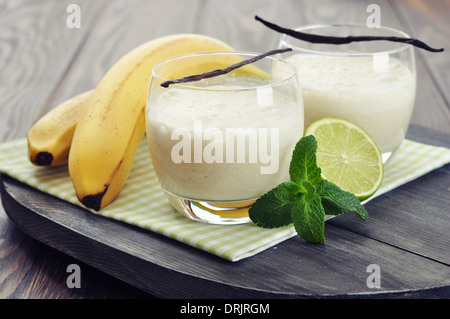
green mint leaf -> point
(308, 215)
(337, 201)
(306, 199)
(273, 209)
(303, 164)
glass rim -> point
(396, 32)
(248, 54)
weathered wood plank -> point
(121, 27)
(429, 21)
(40, 272)
(36, 49)
(414, 216)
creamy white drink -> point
(377, 92)
(226, 143)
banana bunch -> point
(49, 139)
(104, 127)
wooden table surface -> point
(43, 62)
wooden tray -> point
(407, 237)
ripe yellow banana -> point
(106, 139)
(49, 139)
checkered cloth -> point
(142, 202)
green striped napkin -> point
(142, 202)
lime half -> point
(347, 156)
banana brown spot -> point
(94, 201)
(43, 158)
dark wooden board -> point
(407, 237)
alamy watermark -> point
(74, 279)
(374, 18)
(224, 146)
(73, 20)
(374, 279)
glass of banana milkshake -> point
(372, 84)
(219, 143)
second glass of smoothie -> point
(372, 84)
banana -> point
(107, 137)
(110, 192)
(49, 139)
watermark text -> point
(73, 20)
(74, 279)
(374, 18)
(230, 145)
(374, 279)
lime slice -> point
(347, 156)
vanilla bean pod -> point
(217, 72)
(313, 38)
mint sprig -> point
(306, 199)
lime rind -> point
(347, 156)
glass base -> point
(219, 213)
(386, 157)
